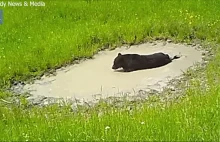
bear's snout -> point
(114, 67)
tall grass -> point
(35, 39)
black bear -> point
(133, 62)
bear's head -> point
(118, 62)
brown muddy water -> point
(93, 77)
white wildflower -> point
(107, 127)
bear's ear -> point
(119, 54)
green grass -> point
(36, 39)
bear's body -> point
(132, 62)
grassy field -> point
(36, 39)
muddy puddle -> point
(93, 77)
